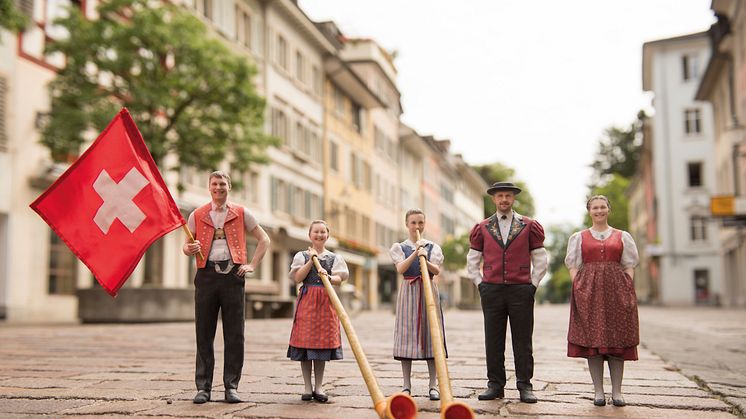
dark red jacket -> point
(508, 263)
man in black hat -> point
(510, 244)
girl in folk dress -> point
(315, 337)
(412, 331)
(603, 304)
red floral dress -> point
(603, 304)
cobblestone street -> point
(147, 370)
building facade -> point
(335, 108)
(469, 190)
(723, 84)
(348, 179)
(684, 167)
(375, 66)
(643, 220)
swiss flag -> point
(111, 204)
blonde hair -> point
(595, 197)
(314, 222)
(413, 211)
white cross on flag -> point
(111, 204)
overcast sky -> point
(531, 84)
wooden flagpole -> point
(191, 240)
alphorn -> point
(399, 405)
(449, 409)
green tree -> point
(614, 189)
(190, 96)
(557, 289)
(454, 252)
(498, 172)
(10, 17)
(618, 152)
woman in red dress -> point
(315, 337)
(603, 305)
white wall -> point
(673, 149)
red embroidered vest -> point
(235, 233)
(508, 263)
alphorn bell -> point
(399, 405)
(449, 409)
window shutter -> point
(3, 132)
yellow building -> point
(348, 176)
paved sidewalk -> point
(147, 370)
(706, 344)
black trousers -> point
(222, 293)
(501, 303)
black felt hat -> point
(503, 186)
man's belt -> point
(220, 266)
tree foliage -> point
(498, 172)
(190, 96)
(10, 17)
(618, 152)
(557, 289)
(454, 252)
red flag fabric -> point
(111, 204)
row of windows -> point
(361, 175)
(361, 172)
(385, 236)
(294, 200)
(384, 144)
(248, 32)
(303, 72)
(385, 191)
(446, 193)
(350, 223)
(300, 136)
(353, 115)
(447, 225)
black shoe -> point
(618, 402)
(434, 394)
(527, 395)
(492, 394)
(231, 396)
(203, 396)
(306, 397)
(320, 397)
(599, 402)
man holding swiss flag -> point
(111, 204)
(220, 227)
